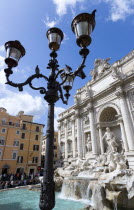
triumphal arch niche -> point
(101, 121)
(108, 121)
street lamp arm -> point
(42, 89)
(80, 68)
(28, 81)
(59, 72)
(79, 72)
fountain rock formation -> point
(107, 182)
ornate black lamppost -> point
(82, 26)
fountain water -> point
(26, 199)
(103, 184)
(75, 188)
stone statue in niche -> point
(88, 144)
(100, 66)
(110, 140)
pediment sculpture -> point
(100, 67)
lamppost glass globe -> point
(55, 36)
(83, 25)
(14, 51)
(69, 79)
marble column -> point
(82, 139)
(59, 141)
(84, 144)
(73, 135)
(123, 135)
(93, 131)
(126, 119)
(100, 137)
(66, 146)
(79, 131)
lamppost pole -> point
(82, 25)
(48, 188)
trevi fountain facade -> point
(96, 138)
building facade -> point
(105, 103)
(56, 150)
(20, 143)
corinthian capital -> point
(90, 107)
(77, 113)
(65, 122)
(119, 94)
(73, 118)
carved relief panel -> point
(85, 120)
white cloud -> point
(23, 101)
(2, 78)
(2, 63)
(66, 38)
(49, 23)
(2, 48)
(62, 5)
(15, 102)
(58, 110)
(119, 9)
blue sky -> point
(28, 22)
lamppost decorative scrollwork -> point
(82, 25)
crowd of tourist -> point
(15, 180)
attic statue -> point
(100, 66)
